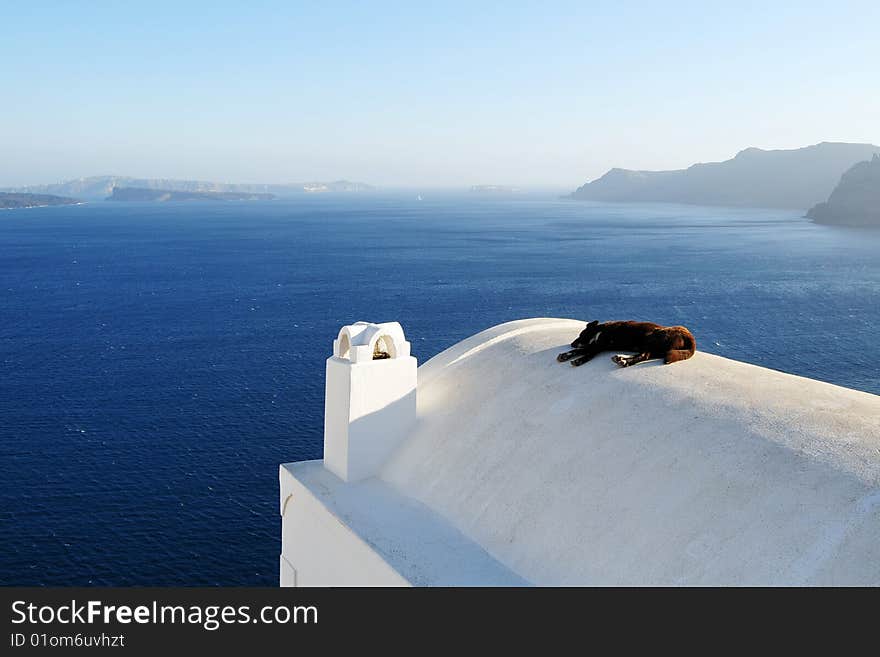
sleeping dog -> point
(648, 340)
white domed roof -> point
(704, 471)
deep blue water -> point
(157, 362)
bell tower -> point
(369, 398)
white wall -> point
(369, 409)
(319, 550)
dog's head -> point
(588, 336)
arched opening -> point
(344, 346)
(384, 348)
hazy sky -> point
(539, 93)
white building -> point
(492, 464)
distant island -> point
(100, 187)
(493, 189)
(141, 194)
(856, 199)
(335, 186)
(796, 179)
(9, 201)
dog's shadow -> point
(600, 363)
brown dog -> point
(671, 343)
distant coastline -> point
(17, 201)
(794, 179)
(100, 187)
(494, 189)
(32, 207)
(140, 194)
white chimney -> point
(369, 399)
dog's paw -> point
(622, 361)
(561, 358)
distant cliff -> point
(796, 179)
(99, 187)
(856, 199)
(9, 200)
(162, 195)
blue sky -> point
(422, 95)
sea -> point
(159, 361)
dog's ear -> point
(595, 322)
